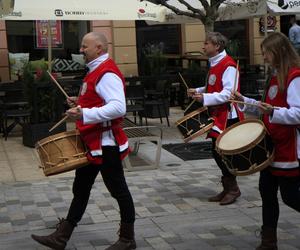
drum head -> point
(241, 135)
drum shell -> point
(251, 158)
(197, 123)
(61, 152)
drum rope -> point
(61, 152)
(44, 150)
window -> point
(156, 39)
(21, 38)
(237, 33)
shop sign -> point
(41, 27)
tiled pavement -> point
(171, 205)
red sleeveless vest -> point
(91, 134)
(284, 136)
(220, 112)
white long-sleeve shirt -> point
(110, 89)
(228, 79)
(288, 116)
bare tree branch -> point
(208, 14)
(198, 15)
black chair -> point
(157, 101)
(135, 101)
(14, 110)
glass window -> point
(22, 38)
(237, 33)
(166, 36)
(153, 41)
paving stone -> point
(172, 211)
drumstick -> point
(250, 104)
(236, 75)
(184, 82)
(189, 106)
(58, 123)
(58, 85)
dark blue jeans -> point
(113, 177)
(268, 188)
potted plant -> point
(45, 102)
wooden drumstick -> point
(250, 104)
(189, 106)
(58, 85)
(184, 82)
(58, 123)
(236, 75)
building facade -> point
(123, 38)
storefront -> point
(127, 40)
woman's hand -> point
(72, 101)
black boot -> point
(126, 238)
(232, 190)
(58, 239)
(268, 239)
(219, 196)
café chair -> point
(135, 102)
(14, 111)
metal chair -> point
(135, 101)
(14, 111)
(157, 100)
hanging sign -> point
(41, 27)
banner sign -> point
(41, 27)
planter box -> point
(35, 132)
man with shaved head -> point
(98, 112)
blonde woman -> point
(282, 90)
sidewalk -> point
(171, 205)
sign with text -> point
(42, 28)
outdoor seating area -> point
(147, 97)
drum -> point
(61, 152)
(195, 124)
(246, 147)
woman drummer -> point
(282, 91)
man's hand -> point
(75, 113)
(191, 92)
(237, 96)
(198, 97)
(266, 108)
(72, 101)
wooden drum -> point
(195, 124)
(246, 147)
(61, 152)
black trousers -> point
(217, 157)
(113, 177)
(268, 188)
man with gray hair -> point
(223, 78)
(98, 112)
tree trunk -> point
(209, 26)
